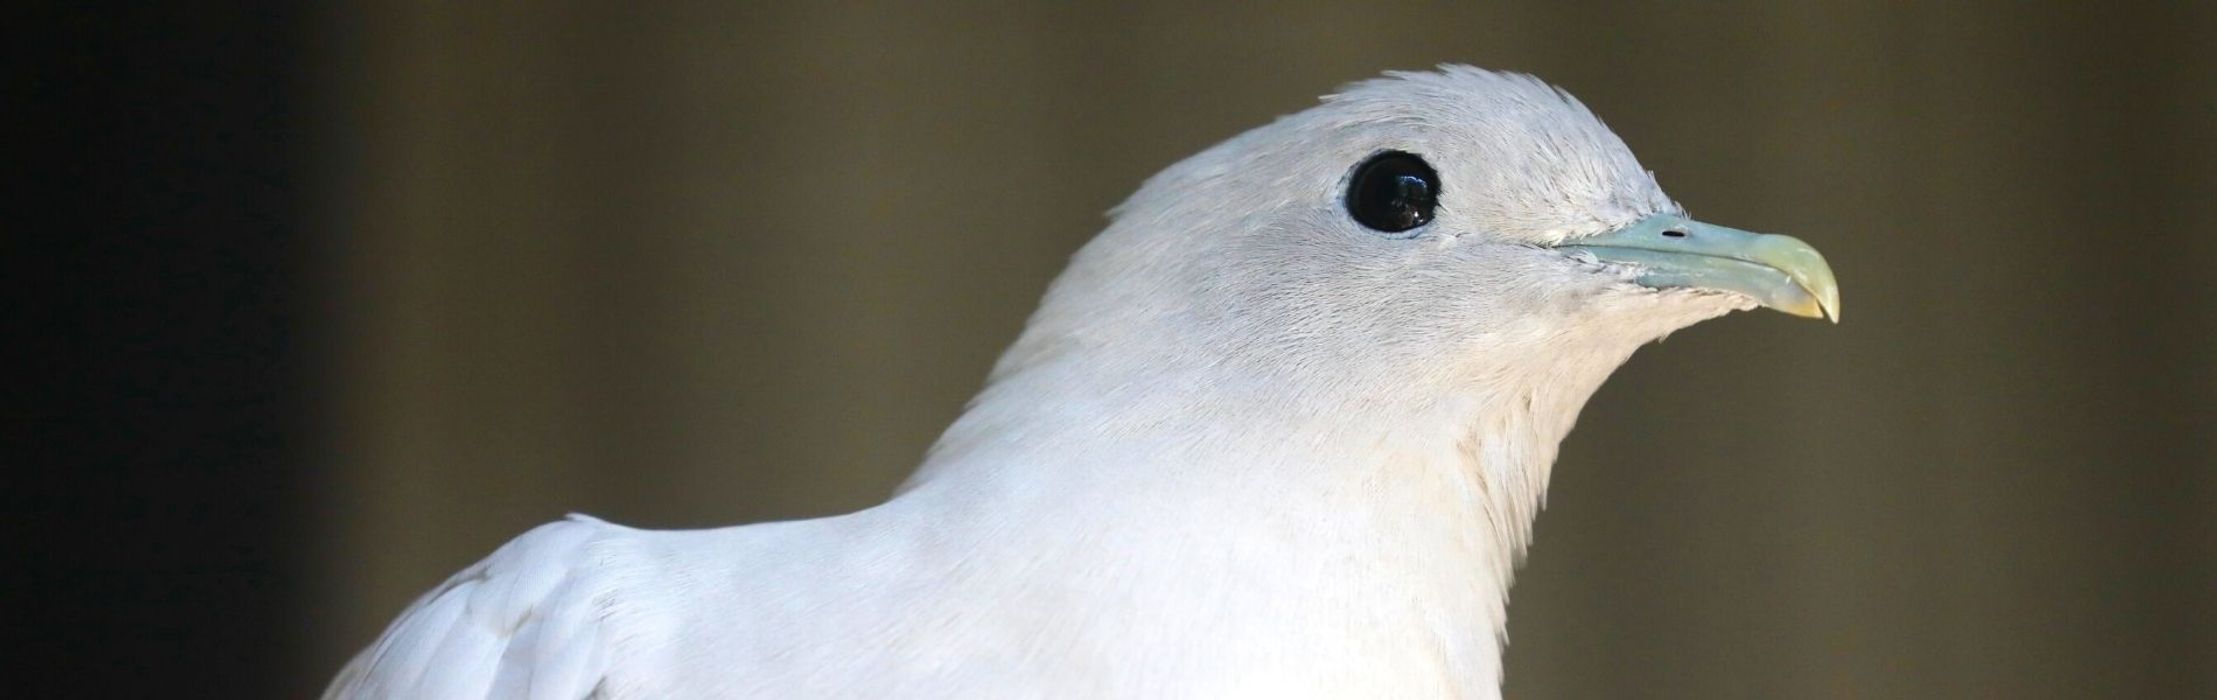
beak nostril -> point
(1674, 233)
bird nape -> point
(1280, 430)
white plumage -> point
(1248, 446)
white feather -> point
(490, 622)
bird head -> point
(1442, 224)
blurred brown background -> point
(696, 264)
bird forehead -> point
(1471, 104)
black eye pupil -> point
(1393, 192)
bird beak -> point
(1673, 251)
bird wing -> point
(527, 622)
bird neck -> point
(1423, 490)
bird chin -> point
(1684, 307)
(1721, 302)
(1637, 315)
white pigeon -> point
(1279, 431)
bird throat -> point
(1338, 499)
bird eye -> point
(1393, 192)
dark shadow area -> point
(163, 320)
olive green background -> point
(692, 265)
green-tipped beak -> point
(1781, 272)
